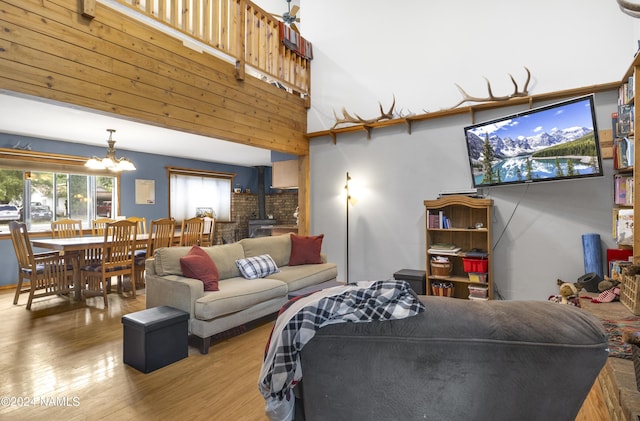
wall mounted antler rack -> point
(470, 109)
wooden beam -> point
(89, 8)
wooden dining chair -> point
(66, 228)
(161, 234)
(191, 231)
(98, 225)
(208, 231)
(141, 221)
(69, 228)
(117, 260)
(46, 271)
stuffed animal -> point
(568, 294)
(631, 338)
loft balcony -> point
(237, 31)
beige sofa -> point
(238, 300)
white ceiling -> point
(28, 116)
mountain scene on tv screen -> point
(548, 144)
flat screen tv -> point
(553, 142)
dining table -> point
(75, 247)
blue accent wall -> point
(149, 167)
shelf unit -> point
(623, 159)
(630, 295)
(634, 72)
(464, 214)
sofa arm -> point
(172, 290)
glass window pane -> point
(104, 196)
(40, 200)
(11, 196)
(61, 202)
(39, 196)
(79, 196)
(188, 192)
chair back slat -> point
(191, 233)
(161, 234)
(208, 231)
(141, 221)
(98, 225)
(66, 228)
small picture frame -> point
(237, 190)
(202, 212)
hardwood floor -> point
(69, 357)
(72, 353)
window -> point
(193, 189)
(48, 191)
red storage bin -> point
(475, 265)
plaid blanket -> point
(299, 319)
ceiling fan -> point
(290, 16)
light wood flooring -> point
(73, 352)
(69, 356)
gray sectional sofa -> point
(239, 300)
(458, 360)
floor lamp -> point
(346, 187)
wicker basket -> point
(630, 293)
(440, 268)
(443, 289)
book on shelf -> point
(433, 219)
(614, 124)
(623, 152)
(623, 189)
(450, 252)
(624, 227)
(625, 91)
(625, 120)
(443, 246)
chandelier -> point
(110, 162)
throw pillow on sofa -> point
(198, 265)
(257, 266)
(305, 250)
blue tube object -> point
(592, 249)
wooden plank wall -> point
(115, 64)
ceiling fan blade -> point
(294, 27)
(276, 16)
(294, 10)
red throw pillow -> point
(198, 265)
(305, 250)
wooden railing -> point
(237, 28)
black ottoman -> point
(416, 279)
(155, 337)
